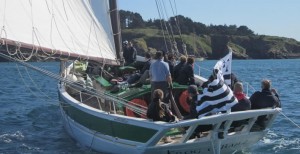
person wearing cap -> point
(129, 53)
(192, 98)
(160, 76)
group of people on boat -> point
(162, 71)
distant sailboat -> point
(95, 114)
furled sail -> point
(68, 27)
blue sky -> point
(268, 17)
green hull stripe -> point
(108, 127)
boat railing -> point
(103, 101)
(222, 126)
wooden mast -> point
(115, 22)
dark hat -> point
(192, 89)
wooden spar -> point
(27, 48)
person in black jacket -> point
(178, 67)
(129, 53)
(266, 98)
(171, 61)
(186, 75)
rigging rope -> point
(166, 26)
(158, 10)
(289, 119)
(78, 86)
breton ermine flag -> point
(218, 96)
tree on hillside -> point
(185, 24)
(131, 20)
(180, 24)
(244, 30)
(137, 21)
(200, 28)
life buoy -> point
(183, 101)
(139, 103)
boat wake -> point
(277, 143)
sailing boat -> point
(94, 116)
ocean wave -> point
(8, 138)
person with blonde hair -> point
(243, 102)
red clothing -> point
(243, 104)
(239, 95)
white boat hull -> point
(101, 142)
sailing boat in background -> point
(75, 33)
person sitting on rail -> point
(243, 102)
(242, 105)
(266, 98)
(192, 100)
(143, 76)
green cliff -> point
(214, 46)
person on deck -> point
(160, 76)
(192, 101)
(186, 75)
(160, 111)
(266, 98)
(178, 67)
(129, 53)
(234, 80)
(171, 62)
(192, 98)
(243, 102)
(143, 76)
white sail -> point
(68, 26)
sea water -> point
(30, 118)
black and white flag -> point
(224, 65)
(218, 96)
